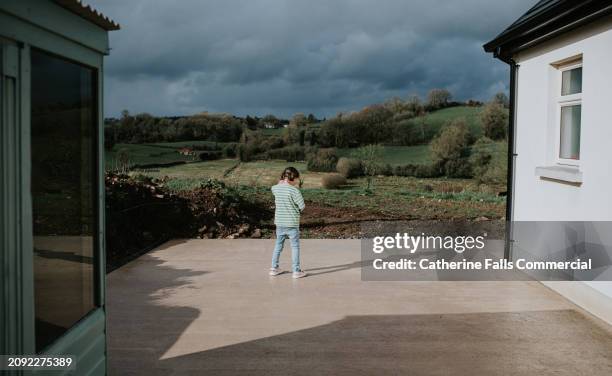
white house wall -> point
(536, 199)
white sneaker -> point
(299, 274)
(275, 271)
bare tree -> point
(371, 157)
(299, 120)
(501, 99)
(438, 98)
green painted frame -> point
(44, 25)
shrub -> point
(312, 138)
(405, 115)
(489, 164)
(209, 155)
(349, 167)
(404, 170)
(450, 150)
(481, 155)
(323, 160)
(109, 138)
(291, 134)
(384, 169)
(432, 170)
(494, 118)
(246, 152)
(452, 142)
(123, 160)
(333, 181)
(458, 168)
(229, 150)
(205, 147)
(272, 142)
(496, 173)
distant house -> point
(186, 151)
(269, 126)
(560, 55)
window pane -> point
(571, 81)
(570, 132)
(63, 193)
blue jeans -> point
(282, 233)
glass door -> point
(64, 193)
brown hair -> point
(290, 173)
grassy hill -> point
(436, 120)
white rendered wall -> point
(542, 200)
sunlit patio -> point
(194, 307)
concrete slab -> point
(208, 307)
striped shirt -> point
(289, 203)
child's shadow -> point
(336, 268)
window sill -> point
(563, 174)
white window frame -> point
(566, 101)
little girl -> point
(289, 204)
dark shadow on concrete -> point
(527, 343)
(140, 327)
(336, 268)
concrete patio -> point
(208, 307)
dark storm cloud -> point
(286, 56)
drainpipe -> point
(511, 158)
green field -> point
(398, 155)
(167, 152)
(392, 196)
(258, 173)
(181, 144)
(156, 153)
(140, 154)
(436, 120)
(272, 131)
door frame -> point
(18, 314)
(74, 39)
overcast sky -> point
(286, 56)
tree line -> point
(395, 122)
(145, 128)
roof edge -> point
(554, 21)
(89, 13)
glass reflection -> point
(63, 147)
(570, 132)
